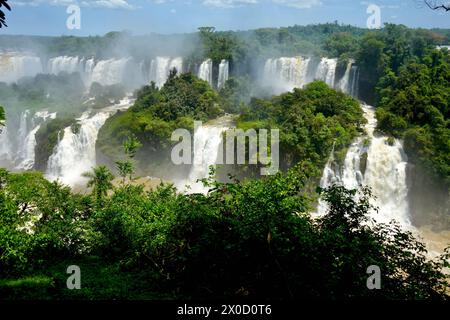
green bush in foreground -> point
(243, 240)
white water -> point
(223, 73)
(17, 146)
(326, 71)
(160, 69)
(27, 152)
(287, 73)
(5, 146)
(15, 66)
(284, 74)
(354, 87)
(207, 145)
(75, 152)
(344, 83)
(109, 72)
(65, 64)
(205, 71)
(385, 173)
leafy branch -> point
(3, 3)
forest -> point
(249, 237)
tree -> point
(2, 116)
(130, 147)
(3, 3)
(100, 178)
(437, 5)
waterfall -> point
(75, 152)
(17, 146)
(207, 146)
(326, 71)
(109, 72)
(28, 128)
(284, 74)
(344, 83)
(287, 73)
(354, 87)
(16, 66)
(5, 146)
(27, 152)
(65, 64)
(385, 173)
(223, 73)
(205, 71)
(161, 71)
(161, 67)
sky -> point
(97, 17)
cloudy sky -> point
(48, 17)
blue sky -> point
(48, 17)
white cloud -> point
(125, 4)
(228, 3)
(299, 4)
(111, 4)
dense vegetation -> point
(157, 113)
(245, 239)
(415, 105)
(242, 240)
(311, 121)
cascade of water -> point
(286, 73)
(354, 88)
(161, 67)
(27, 151)
(28, 127)
(326, 71)
(344, 83)
(75, 152)
(176, 63)
(223, 73)
(207, 146)
(5, 146)
(16, 66)
(385, 173)
(112, 71)
(65, 64)
(205, 71)
(17, 146)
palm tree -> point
(100, 179)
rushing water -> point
(160, 68)
(223, 73)
(16, 66)
(284, 74)
(385, 173)
(75, 152)
(207, 150)
(205, 71)
(17, 147)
